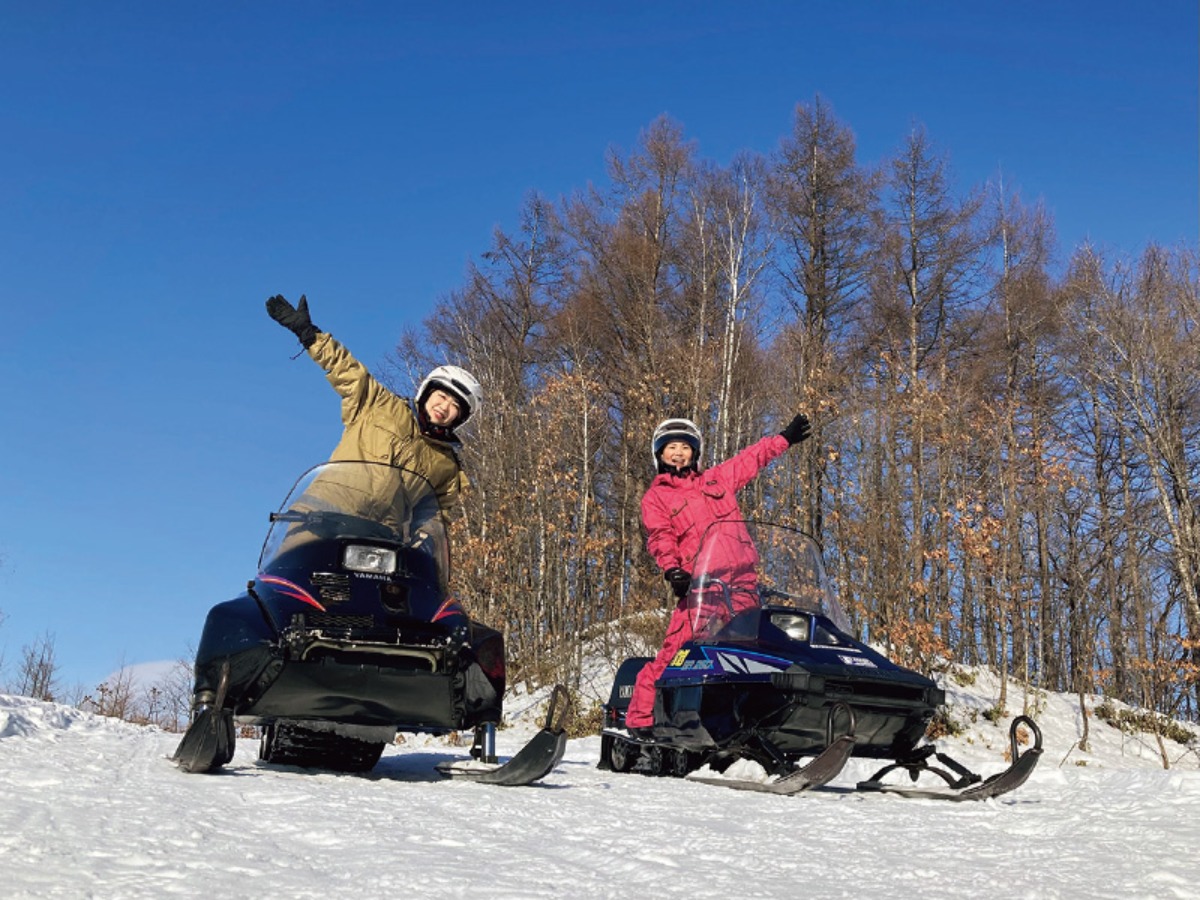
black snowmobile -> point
(771, 674)
(348, 634)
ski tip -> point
(532, 763)
(558, 710)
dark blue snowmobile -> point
(772, 675)
(348, 634)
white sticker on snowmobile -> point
(860, 661)
(731, 663)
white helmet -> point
(457, 382)
(677, 430)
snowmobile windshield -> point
(354, 500)
(743, 567)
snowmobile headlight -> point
(360, 558)
(795, 627)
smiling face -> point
(442, 408)
(677, 454)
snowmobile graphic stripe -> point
(749, 663)
(725, 659)
(762, 659)
(290, 589)
(450, 607)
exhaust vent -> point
(331, 587)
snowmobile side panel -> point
(236, 638)
(231, 628)
(622, 689)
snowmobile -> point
(772, 674)
(348, 635)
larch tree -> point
(924, 279)
(821, 201)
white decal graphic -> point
(857, 661)
(743, 664)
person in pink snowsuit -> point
(681, 502)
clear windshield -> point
(745, 566)
(363, 500)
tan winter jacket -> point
(380, 426)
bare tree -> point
(1140, 335)
(1027, 319)
(169, 700)
(725, 247)
(37, 675)
(115, 697)
(821, 203)
(924, 296)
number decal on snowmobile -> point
(681, 661)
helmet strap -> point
(677, 471)
(428, 428)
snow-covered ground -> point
(93, 808)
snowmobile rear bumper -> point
(416, 688)
(359, 694)
(408, 676)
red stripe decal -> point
(293, 590)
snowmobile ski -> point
(822, 769)
(968, 785)
(531, 763)
(534, 761)
(208, 743)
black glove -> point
(294, 318)
(679, 579)
(797, 430)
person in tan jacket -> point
(380, 426)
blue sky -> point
(165, 167)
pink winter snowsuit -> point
(676, 510)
